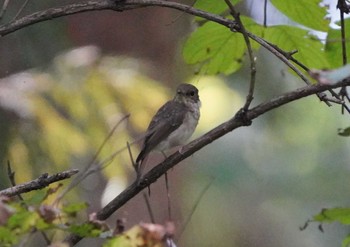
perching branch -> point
(203, 141)
(43, 181)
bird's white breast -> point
(184, 132)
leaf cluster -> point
(216, 49)
(23, 218)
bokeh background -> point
(66, 83)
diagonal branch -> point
(43, 181)
(201, 142)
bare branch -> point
(21, 9)
(265, 13)
(201, 142)
(71, 9)
(237, 18)
(43, 181)
(149, 208)
(11, 175)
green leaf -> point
(134, 237)
(217, 48)
(310, 49)
(85, 230)
(346, 242)
(306, 12)
(334, 46)
(119, 241)
(23, 220)
(213, 6)
(341, 215)
(74, 208)
(37, 197)
(7, 236)
(344, 132)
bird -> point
(173, 124)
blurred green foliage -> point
(20, 219)
(69, 110)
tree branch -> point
(252, 58)
(201, 142)
(43, 181)
(71, 9)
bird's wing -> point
(168, 118)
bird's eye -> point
(191, 93)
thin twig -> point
(289, 56)
(43, 181)
(89, 169)
(167, 190)
(20, 10)
(4, 8)
(343, 8)
(11, 175)
(285, 60)
(252, 59)
(168, 196)
(265, 13)
(149, 208)
(195, 205)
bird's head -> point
(187, 94)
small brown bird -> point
(173, 124)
